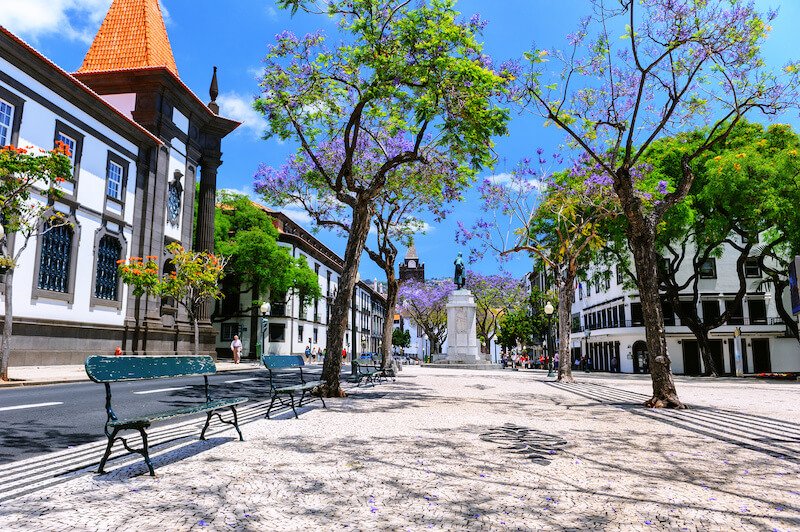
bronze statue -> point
(460, 278)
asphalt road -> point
(38, 420)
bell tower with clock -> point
(412, 268)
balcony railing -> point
(736, 320)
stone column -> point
(204, 239)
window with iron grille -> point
(109, 251)
(54, 264)
(6, 122)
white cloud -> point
(508, 179)
(239, 108)
(298, 215)
(244, 191)
(272, 13)
(76, 20)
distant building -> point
(138, 137)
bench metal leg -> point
(302, 396)
(323, 401)
(270, 405)
(291, 402)
(111, 440)
(236, 423)
(146, 452)
(208, 420)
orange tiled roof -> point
(133, 35)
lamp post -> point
(548, 310)
(266, 308)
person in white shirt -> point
(236, 349)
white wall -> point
(37, 130)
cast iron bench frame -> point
(372, 373)
(108, 369)
(276, 362)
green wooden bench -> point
(369, 373)
(108, 369)
(283, 382)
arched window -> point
(56, 254)
(106, 285)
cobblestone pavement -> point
(460, 450)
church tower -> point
(412, 268)
(131, 66)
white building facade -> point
(608, 327)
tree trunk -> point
(195, 322)
(8, 318)
(705, 351)
(332, 367)
(565, 293)
(387, 360)
(642, 243)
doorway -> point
(640, 362)
(761, 358)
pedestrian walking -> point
(308, 353)
(614, 364)
(236, 349)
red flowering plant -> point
(193, 281)
(28, 179)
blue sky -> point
(234, 35)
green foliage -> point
(194, 279)
(247, 236)
(401, 338)
(23, 173)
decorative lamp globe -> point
(548, 309)
(265, 308)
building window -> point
(106, 285)
(758, 311)
(73, 140)
(608, 280)
(637, 317)
(619, 275)
(736, 312)
(6, 122)
(69, 143)
(277, 332)
(300, 333)
(114, 180)
(316, 335)
(229, 330)
(708, 270)
(54, 263)
(580, 290)
(710, 310)
(751, 267)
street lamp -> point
(548, 310)
(266, 308)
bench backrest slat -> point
(282, 361)
(127, 368)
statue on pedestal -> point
(460, 278)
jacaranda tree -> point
(406, 85)
(426, 305)
(495, 296)
(556, 218)
(636, 70)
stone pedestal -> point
(462, 333)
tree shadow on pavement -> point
(773, 437)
